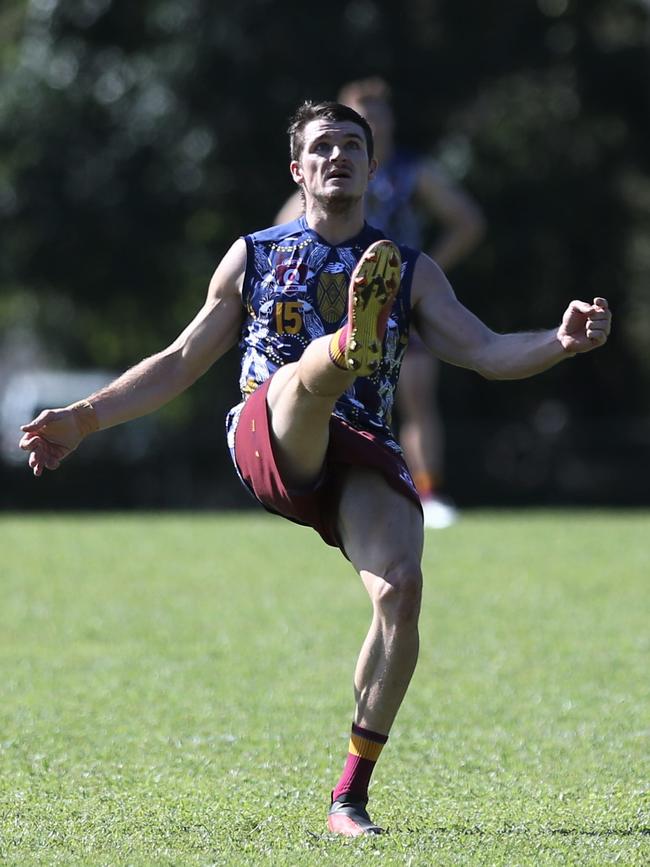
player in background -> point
(409, 193)
(321, 310)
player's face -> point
(334, 163)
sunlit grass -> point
(177, 690)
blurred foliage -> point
(137, 141)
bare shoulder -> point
(228, 277)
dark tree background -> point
(137, 141)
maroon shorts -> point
(316, 506)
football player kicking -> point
(322, 307)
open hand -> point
(585, 326)
(55, 433)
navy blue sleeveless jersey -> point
(295, 290)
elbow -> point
(180, 372)
(483, 358)
(488, 372)
(191, 367)
(473, 228)
(474, 231)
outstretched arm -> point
(456, 335)
(55, 433)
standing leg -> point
(381, 531)
(300, 400)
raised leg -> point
(301, 396)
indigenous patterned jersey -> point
(389, 200)
(295, 290)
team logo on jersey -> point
(332, 294)
(291, 274)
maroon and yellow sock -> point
(337, 347)
(363, 752)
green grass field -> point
(177, 690)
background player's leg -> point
(422, 432)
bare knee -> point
(398, 594)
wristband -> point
(85, 417)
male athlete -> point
(409, 195)
(321, 307)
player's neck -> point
(335, 226)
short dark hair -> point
(309, 111)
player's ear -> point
(372, 168)
(296, 171)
